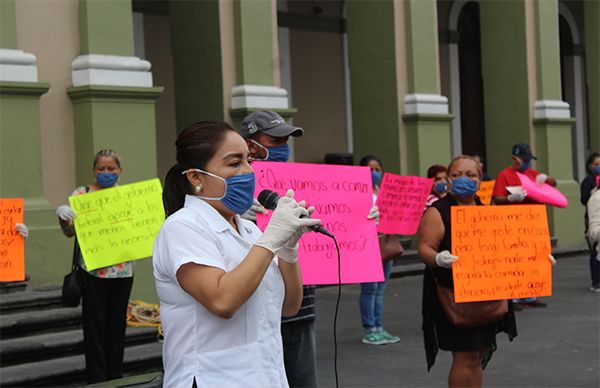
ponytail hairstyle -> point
(196, 145)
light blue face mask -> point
(280, 153)
(239, 191)
(440, 187)
(463, 187)
(596, 170)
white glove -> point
(552, 259)
(540, 179)
(445, 259)
(289, 252)
(22, 229)
(374, 214)
(256, 207)
(518, 196)
(286, 226)
(65, 213)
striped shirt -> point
(307, 309)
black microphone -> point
(269, 199)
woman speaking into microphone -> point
(223, 285)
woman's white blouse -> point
(243, 351)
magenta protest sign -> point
(543, 193)
(401, 201)
(342, 197)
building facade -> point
(415, 82)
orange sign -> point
(502, 252)
(485, 191)
(12, 247)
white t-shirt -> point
(243, 351)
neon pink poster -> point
(401, 201)
(544, 193)
(342, 197)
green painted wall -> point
(8, 24)
(254, 42)
(122, 119)
(46, 253)
(371, 55)
(547, 50)
(196, 50)
(505, 79)
(106, 27)
(592, 60)
(427, 141)
(421, 40)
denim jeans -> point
(371, 300)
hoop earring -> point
(198, 188)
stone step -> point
(30, 300)
(70, 371)
(61, 344)
(38, 322)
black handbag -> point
(71, 288)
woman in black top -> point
(587, 185)
(471, 347)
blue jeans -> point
(371, 300)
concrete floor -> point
(556, 347)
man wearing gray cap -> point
(267, 134)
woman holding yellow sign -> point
(223, 285)
(471, 344)
(105, 291)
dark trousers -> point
(104, 322)
(300, 353)
(594, 265)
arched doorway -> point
(471, 81)
(572, 86)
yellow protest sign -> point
(118, 224)
(502, 252)
(485, 191)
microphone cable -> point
(337, 306)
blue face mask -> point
(596, 170)
(376, 177)
(525, 165)
(280, 153)
(107, 179)
(239, 191)
(440, 187)
(463, 187)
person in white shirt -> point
(223, 286)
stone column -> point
(256, 62)
(428, 124)
(553, 124)
(113, 101)
(20, 146)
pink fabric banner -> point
(342, 197)
(401, 201)
(544, 193)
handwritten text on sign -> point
(486, 188)
(342, 197)
(502, 252)
(118, 224)
(12, 252)
(401, 201)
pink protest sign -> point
(401, 201)
(342, 197)
(544, 193)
